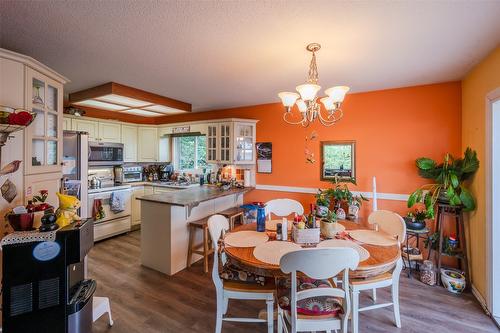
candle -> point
(374, 193)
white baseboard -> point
(313, 190)
(480, 299)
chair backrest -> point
(216, 225)
(389, 222)
(283, 207)
(319, 263)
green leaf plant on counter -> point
(448, 186)
(340, 192)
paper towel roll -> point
(246, 176)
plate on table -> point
(363, 253)
(373, 237)
(245, 238)
(271, 252)
(271, 225)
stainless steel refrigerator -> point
(75, 167)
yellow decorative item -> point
(66, 213)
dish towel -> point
(97, 210)
(117, 202)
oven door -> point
(105, 198)
(105, 153)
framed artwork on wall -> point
(338, 158)
(264, 157)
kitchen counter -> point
(159, 184)
(165, 218)
(192, 197)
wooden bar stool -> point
(232, 214)
(205, 248)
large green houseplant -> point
(449, 178)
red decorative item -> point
(21, 118)
(21, 222)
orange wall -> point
(481, 80)
(391, 128)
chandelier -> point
(307, 101)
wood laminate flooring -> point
(143, 300)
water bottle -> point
(261, 218)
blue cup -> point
(261, 218)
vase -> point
(330, 229)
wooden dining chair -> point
(321, 264)
(225, 290)
(394, 225)
(283, 207)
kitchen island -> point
(165, 217)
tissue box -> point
(306, 236)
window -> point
(190, 152)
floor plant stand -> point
(417, 235)
(460, 252)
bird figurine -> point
(10, 168)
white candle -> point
(374, 193)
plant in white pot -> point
(329, 225)
(322, 203)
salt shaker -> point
(278, 231)
(284, 229)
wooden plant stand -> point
(461, 252)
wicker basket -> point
(306, 236)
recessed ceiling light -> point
(140, 112)
(101, 105)
(163, 109)
(123, 100)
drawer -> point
(111, 228)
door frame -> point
(492, 97)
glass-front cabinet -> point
(212, 130)
(225, 143)
(44, 136)
(244, 143)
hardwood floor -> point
(143, 300)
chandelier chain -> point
(313, 70)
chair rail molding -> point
(314, 190)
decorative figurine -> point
(48, 222)
(66, 213)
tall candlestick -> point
(374, 193)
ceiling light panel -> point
(101, 105)
(122, 100)
(140, 112)
(163, 109)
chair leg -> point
(190, 247)
(395, 303)
(226, 305)
(110, 318)
(218, 318)
(270, 315)
(355, 312)
(374, 295)
(280, 320)
(205, 249)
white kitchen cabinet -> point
(219, 145)
(109, 132)
(244, 143)
(160, 189)
(67, 124)
(89, 126)
(129, 140)
(164, 149)
(212, 135)
(136, 205)
(147, 144)
(148, 189)
(51, 182)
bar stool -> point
(205, 249)
(232, 214)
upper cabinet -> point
(101, 131)
(43, 140)
(84, 125)
(110, 132)
(231, 142)
(129, 140)
(147, 144)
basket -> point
(306, 236)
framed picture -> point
(264, 157)
(338, 158)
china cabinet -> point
(43, 138)
(244, 143)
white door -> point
(89, 126)
(148, 144)
(110, 132)
(129, 140)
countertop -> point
(192, 196)
(158, 184)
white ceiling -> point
(224, 54)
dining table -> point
(381, 259)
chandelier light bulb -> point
(328, 103)
(301, 105)
(337, 94)
(288, 98)
(308, 91)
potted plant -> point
(329, 226)
(449, 178)
(340, 193)
(39, 201)
(416, 220)
(322, 203)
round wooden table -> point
(382, 258)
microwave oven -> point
(105, 153)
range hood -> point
(120, 98)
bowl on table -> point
(21, 222)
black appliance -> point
(44, 289)
(105, 153)
(166, 171)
